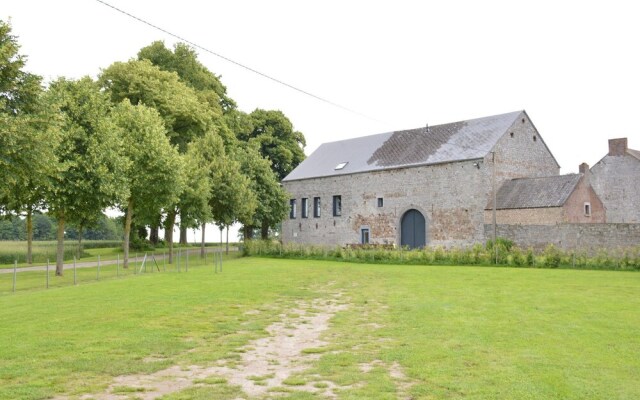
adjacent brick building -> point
(546, 201)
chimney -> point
(583, 168)
(618, 147)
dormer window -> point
(587, 209)
(341, 165)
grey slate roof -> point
(464, 140)
(551, 191)
(634, 153)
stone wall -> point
(526, 216)
(615, 179)
(589, 237)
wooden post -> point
(15, 272)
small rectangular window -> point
(380, 202)
(305, 207)
(587, 209)
(337, 206)
(292, 208)
(364, 236)
(316, 207)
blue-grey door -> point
(413, 229)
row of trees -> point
(13, 227)
(156, 136)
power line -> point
(238, 63)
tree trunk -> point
(248, 232)
(127, 234)
(221, 228)
(168, 232)
(264, 230)
(60, 248)
(183, 235)
(202, 242)
(29, 237)
(227, 239)
(153, 235)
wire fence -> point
(42, 277)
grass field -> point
(403, 332)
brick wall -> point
(574, 208)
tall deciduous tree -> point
(154, 177)
(91, 167)
(183, 60)
(273, 134)
(185, 115)
(273, 200)
(231, 198)
(28, 136)
(278, 142)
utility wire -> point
(239, 64)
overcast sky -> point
(574, 66)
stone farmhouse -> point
(435, 185)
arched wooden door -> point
(413, 229)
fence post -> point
(15, 272)
(74, 270)
(47, 273)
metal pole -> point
(15, 272)
(47, 273)
(495, 196)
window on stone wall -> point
(364, 235)
(305, 207)
(316, 207)
(337, 206)
(292, 208)
(587, 209)
(380, 202)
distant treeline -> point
(44, 228)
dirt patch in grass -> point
(265, 364)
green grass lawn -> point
(457, 332)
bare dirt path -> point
(265, 363)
